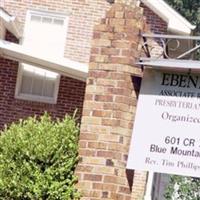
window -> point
(45, 35)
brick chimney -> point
(109, 108)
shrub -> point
(38, 158)
(183, 188)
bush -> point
(38, 158)
(183, 188)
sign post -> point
(166, 134)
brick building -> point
(48, 50)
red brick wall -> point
(156, 24)
(70, 97)
(10, 37)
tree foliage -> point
(190, 9)
(38, 158)
(183, 188)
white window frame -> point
(38, 98)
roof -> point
(62, 66)
(10, 22)
(176, 22)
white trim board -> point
(62, 65)
(174, 64)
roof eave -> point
(62, 66)
(179, 31)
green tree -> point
(190, 9)
(183, 188)
(38, 158)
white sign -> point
(166, 134)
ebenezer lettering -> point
(181, 80)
